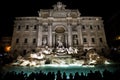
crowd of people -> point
(97, 75)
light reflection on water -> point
(67, 70)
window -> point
(93, 40)
(27, 27)
(19, 27)
(84, 40)
(83, 27)
(35, 27)
(25, 41)
(91, 27)
(100, 39)
(17, 40)
(98, 27)
(34, 41)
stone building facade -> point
(58, 27)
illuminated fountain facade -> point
(58, 27)
(45, 57)
(57, 32)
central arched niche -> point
(60, 35)
(59, 29)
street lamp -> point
(7, 48)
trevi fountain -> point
(60, 56)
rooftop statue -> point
(59, 6)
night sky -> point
(109, 10)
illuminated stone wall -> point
(56, 24)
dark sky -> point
(109, 10)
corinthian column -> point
(69, 35)
(80, 39)
(50, 35)
(39, 43)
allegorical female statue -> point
(60, 44)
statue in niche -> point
(44, 41)
(60, 44)
(75, 42)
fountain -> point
(60, 57)
(64, 59)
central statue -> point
(59, 42)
